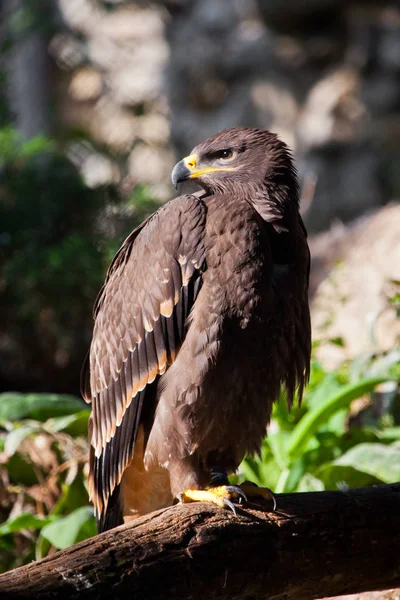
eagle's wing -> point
(140, 320)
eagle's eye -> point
(225, 154)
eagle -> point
(202, 320)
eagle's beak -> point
(187, 169)
(184, 169)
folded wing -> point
(140, 323)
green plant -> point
(56, 242)
(44, 452)
(315, 447)
(345, 434)
(43, 458)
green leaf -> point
(42, 547)
(309, 483)
(24, 521)
(9, 140)
(278, 443)
(359, 435)
(7, 544)
(15, 438)
(250, 469)
(337, 341)
(328, 386)
(289, 479)
(65, 531)
(315, 418)
(324, 450)
(336, 476)
(73, 496)
(378, 460)
(21, 471)
(263, 472)
(75, 425)
(88, 530)
(336, 423)
(36, 145)
(317, 375)
(15, 406)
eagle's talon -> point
(230, 505)
(252, 491)
(222, 496)
(237, 490)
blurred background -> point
(98, 100)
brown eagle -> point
(202, 319)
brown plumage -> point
(202, 318)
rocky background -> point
(128, 87)
(151, 79)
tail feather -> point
(112, 516)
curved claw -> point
(230, 505)
(226, 495)
(223, 496)
(253, 490)
(235, 489)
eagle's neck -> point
(277, 205)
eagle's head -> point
(242, 159)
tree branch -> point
(314, 545)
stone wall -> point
(324, 74)
(151, 78)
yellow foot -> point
(223, 495)
(253, 491)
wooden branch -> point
(314, 545)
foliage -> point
(340, 437)
(12, 147)
(331, 442)
(54, 251)
(43, 454)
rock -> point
(333, 111)
(86, 85)
(323, 74)
(353, 275)
(149, 165)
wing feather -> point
(160, 345)
(141, 318)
